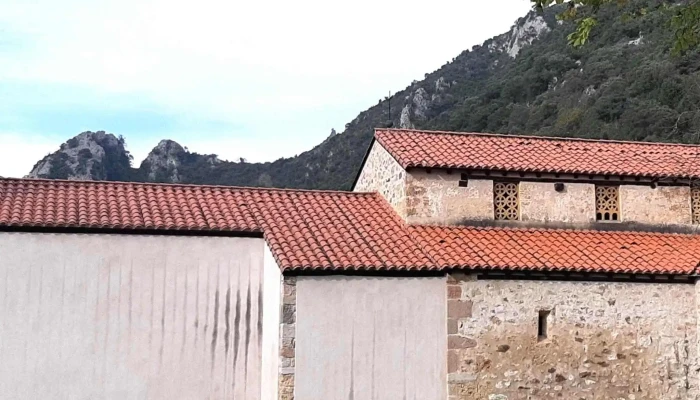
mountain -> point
(624, 84)
(88, 156)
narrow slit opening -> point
(542, 320)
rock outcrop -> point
(525, 32)
(163, 161)
(88, 156)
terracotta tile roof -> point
(304, 229)
(559, 250)
(429, 149)
(335, 231)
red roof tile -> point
(559, 250)
(336, 231)
(304, 229)
(429, 149)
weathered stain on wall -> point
(603, 341)
(375, 338)
(381, 173)
(661, 205)
(271, 335)
(540, 202)
(437, 198)
(127, 316)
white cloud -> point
(18, 153)
(243, 62)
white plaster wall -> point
(130, 317)
(377, 338)
(272, 289)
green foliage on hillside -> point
(625, 84)
(683, 17)
(116, 165)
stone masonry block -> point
(454, 292)
(460, 342)
(459, 309)
(461, 378)
(452, 361)
(287, 351)
(288, 314)
(288, 331)
(452, 326)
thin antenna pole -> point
(391, 121)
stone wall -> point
(603, 340)
(540, 202)
(660, 205)
(381, 173)
(437, 198)
(288, 338)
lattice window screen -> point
(607, 203)
(505, 201)
(695, 204)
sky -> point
(256, 79)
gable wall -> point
(381, 173)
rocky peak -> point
(87, 156)
(163, 162)
(169, 162)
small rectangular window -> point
(695, 204)
(542, 324)
(506, 204)
(607, 203)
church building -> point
(461, 266)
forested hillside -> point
(624, 84)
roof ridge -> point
(536, 137)
(186, 185)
